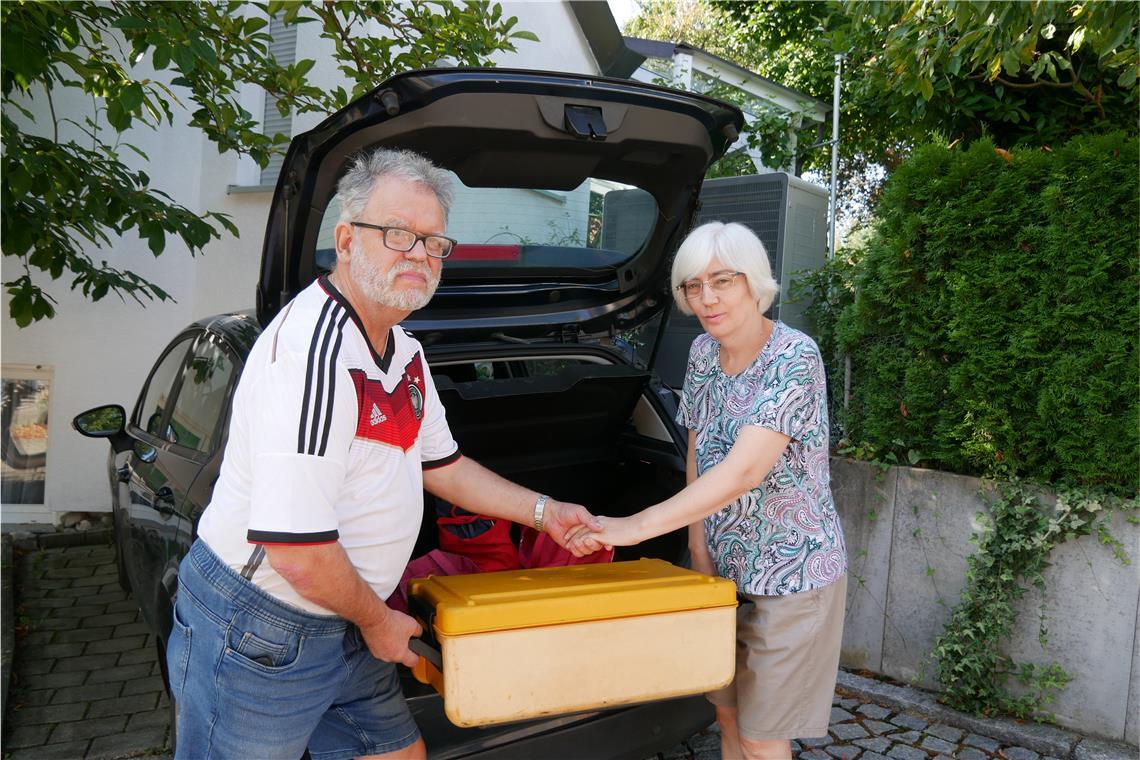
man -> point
(282, 639)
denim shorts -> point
(254, 677)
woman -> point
(758, 500)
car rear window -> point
(600, 223)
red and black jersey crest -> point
(391, 418)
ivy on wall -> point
(973, 669)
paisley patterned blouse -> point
(783, 536)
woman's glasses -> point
(719, 282)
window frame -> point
(42, 373)
(215, 340)
(193, 337)
(134, 426)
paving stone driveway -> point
(86, 684)
(85, 679)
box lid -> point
(513, 599)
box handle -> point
(425, 614)
(428, 652)
(427, 646)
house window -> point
(283, 48)
(26, 394)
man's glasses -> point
(399, 239)
(719, 282)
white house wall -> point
(101, 352)
(520, 217)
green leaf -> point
(1127, 77)
(131, 96)
(1010, 62)
(303, 67)
(525, 35)
(129, 22)
(161, 57)
(116, 116)
(202, 50)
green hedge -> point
(994, 326)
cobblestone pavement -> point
(86, 684)
(868, 731)
(85, 679)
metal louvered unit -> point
(283, 48)
(789, 215)
(627, 215)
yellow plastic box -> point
(527, 643)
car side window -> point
(205, 387)
(160, 390)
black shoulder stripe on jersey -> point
(327, 329)
(309, 377)
(332, 386)
(325, 366)
(313, 371)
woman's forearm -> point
(747, 464)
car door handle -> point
(164, 501)
(124, 473)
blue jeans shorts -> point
(254, 677)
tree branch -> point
(346, 40)
(1035, 85)
(51, 107)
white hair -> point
(366, 168)
(737, 248)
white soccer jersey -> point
(327, 442)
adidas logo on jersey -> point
(377, 416)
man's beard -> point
(380, 286)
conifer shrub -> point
(994, 327)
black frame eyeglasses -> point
(402, 240)
(718, 283)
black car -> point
(572, 193)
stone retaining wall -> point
(908, 536)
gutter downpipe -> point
(834, 151)
(834, 209)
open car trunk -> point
(583, 430)
(596, 434)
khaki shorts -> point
(787, 660)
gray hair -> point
(737, 248)
(366, 168)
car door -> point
(196, 435)
(145, 490)
(175, 428)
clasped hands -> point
(574, 528)
(604, 533)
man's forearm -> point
(472, 486)
(324, 575)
